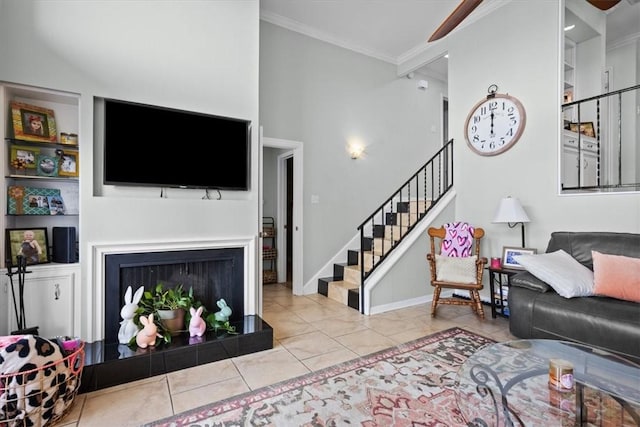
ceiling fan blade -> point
(455, 18)
(603, 4)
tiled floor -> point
(310, 332)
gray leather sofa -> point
(537, 311)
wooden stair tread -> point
(343, 284)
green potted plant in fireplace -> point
(170, 308)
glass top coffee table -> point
(507, 384)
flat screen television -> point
(146, 145)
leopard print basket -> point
(38, 381)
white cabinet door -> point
(48, 301)
(570, 166)
(589, 169)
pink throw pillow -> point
(616, 276)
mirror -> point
(599, 151)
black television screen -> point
(145, 145)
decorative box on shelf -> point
(34, 201)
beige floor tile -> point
(309, 345)
(388, 326)
(290, 326)
(209, 393)
(198, 376)
(129, 407)
(365, 342)
(268, 367)
(319, 312)
(329, 359)
(336, 327)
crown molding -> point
(631, 38)
(301, 28)
(483, 10)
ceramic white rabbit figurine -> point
(128, 328)
(147, 335)
(224, 313)
(197, 325)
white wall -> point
(325, 95)
(270, 182)
(192, 55)
(526, 67)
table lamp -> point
(510, 211)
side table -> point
(499, 284)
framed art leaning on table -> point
(507, 256)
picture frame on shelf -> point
(32, 243)
(33, 123)
(585, 128)
(508, 253)
(56, 205)
(30, 200)
(69, 163)
(47, 165)
(27, 156)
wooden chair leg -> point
(473, 302)
(434, 303)
(478, 302)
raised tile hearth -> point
(112, 364)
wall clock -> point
(495, 123)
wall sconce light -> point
(511, 212)
(356, 150)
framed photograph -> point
(585, 128)
(47, 165)
(25, 156)
(33, 123)
(31, 243)
(56, 205)
(69, 163)
(507, 256)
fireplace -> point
(211, 273)
(214, 269)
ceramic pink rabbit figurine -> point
(147, 335)
(197, 325)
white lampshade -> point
(510, 210)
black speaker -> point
(64, 244)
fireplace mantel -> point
(95, 296)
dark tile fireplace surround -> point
(213, 274)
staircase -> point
(344, 285)
(385, 229)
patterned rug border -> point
(221, 406)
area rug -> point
(407, 385)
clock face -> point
(494, 125)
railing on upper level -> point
(402, 211)
(601, 152)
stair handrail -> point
(443, 160)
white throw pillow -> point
(456, 269)
(561, 271)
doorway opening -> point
(289, 229)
